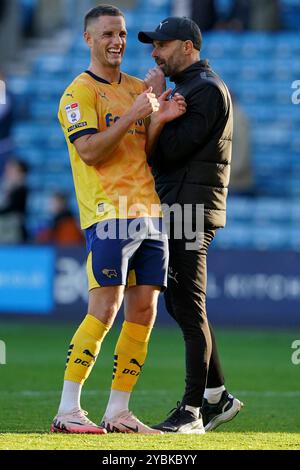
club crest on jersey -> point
(73, 112)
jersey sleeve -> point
(78, 112)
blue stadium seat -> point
(30, 133)
(162, 7)
(283, 114)
(38, 202)
(257, 91)
(271, 210)
(269, 237)
(52, 64)
(235, 235)
(240, 208)
(256, 45)
(221, 44)
(246, 236)
(43, 110)
(31, 155)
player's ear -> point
(188, 47)
(88, 38)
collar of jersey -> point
(99, 79)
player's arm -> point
(98, 148)
(94, 147)
(169, 110)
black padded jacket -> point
(191, 162)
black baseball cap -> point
(174, 28)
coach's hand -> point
(170, 109)
(155, 78)
(144, 105)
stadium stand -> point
(258, 67)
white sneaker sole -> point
(225, 417)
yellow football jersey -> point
(90, 105)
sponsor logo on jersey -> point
(110, 119)
(73, 112)
(77, 126)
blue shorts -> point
(127, 252)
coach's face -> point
(170, 56)
(106, 37)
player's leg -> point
(140, 304)
(218, 405)
(215, 376)
(104, 304)
(186, 302)
(149, 269)
(84, 349)
(107, 279)
(130, 355)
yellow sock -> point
(130, 355)
(84, 349)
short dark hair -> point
(101, 10)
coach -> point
(191, 165)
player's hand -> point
(170, 109)
(145, 104)
(155, 78)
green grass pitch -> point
(257, 365)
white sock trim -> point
(213, 395)
(193, 409)
(70, 397)
(118, 401)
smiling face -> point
(170, 56)
(106, 37)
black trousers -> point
(186, 303)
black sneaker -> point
(181, 421)
(214, 415)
